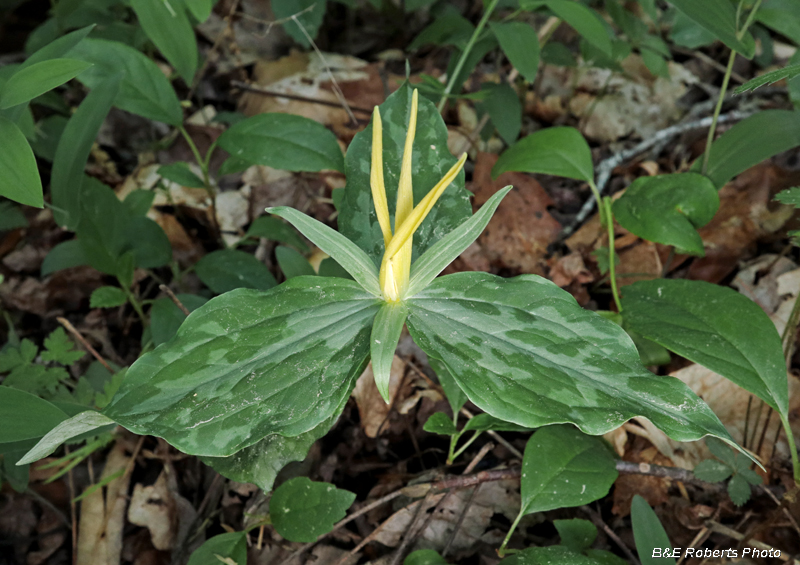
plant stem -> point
(464, 54)
(453, 440)
(502, 551)
(612, 267)
(717, 110)
(466, 445)
(204, 165)
(136, 306)
(792, 450)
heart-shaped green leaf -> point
(524, 351)
(431, 160)
(714, 326)
(668, 208)
(560, 151)
(248, 364)
(302, 510)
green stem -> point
(453, 440)
(466, 445)
(612, 267)
(717, 110)
(502, 551)
(202, 163)
(136, 305)
(792, 450)
(463, 59)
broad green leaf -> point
(655, 62)
(719, 18)
(558, 54)
(166, 317)
(67, 429)
(790, 196)
(648, 533)
(714, 326)
(524, 351)
(685, 32)
(222, 549)
(200, 9)
(144, 89)
(283, 141)
(576, 534)
(424, 557)
(551, 555)
(383, 343)
(563, 467)
(330, 268)
(668, 209)
(749, 142)
(487, 422)
(26, 416)
(768, 78)
(446, 250)
(66, 179)
(337, 246)
(712, 471)
(520, 44)
(308, 14)
(139, 202)
(431, 160)
(11, 216)
(228, 269)
(603, 557)
(65, 255)
(166, 24)
(302, 510)
(30, 82)
(261, 462)
(585, 21)
(292, 263)
(781, 16)
(181, 174)
(248, 364)
(58, 47)
(19, 175)
(16, 475)
(739, 490)
(560, 151)
(439, 423)
(455, 396)
(504, 108)
(48, 134)
(276, 230)
(107, 297)
(448, 28)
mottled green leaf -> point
(649, 534)
(552, 555)
(487, 422)
(768, 78)
(283, 141)
(385, 335)
(749, 142)
(431, 160)
(585, 21)
(524, 351)
(261, 462)
(560, 151)
(249, 364)
(222, 549)
(668, 209)
(563, 467)
(107, 297)
(719, 18)
(66, 179)
(446, 250)
(344, 251)
(30, 82)
(26, 416)
(301, 510)
(67, 429)
(714, 326)
(455, 396)
(576, 534)
(228, 269)
(181, 173)
(144, 89)
(292, 263)
(19, 174)
(166, 24)
(712, 471)
(520, 44)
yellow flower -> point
(396, 263)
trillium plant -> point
(253, 378)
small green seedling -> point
(728, 464)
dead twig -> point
(598, 521)
(77, 335)
(731, 533)
(267, 92)
(168, 291)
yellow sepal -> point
(376, 178)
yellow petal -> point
(376, 178)
(421, 210)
